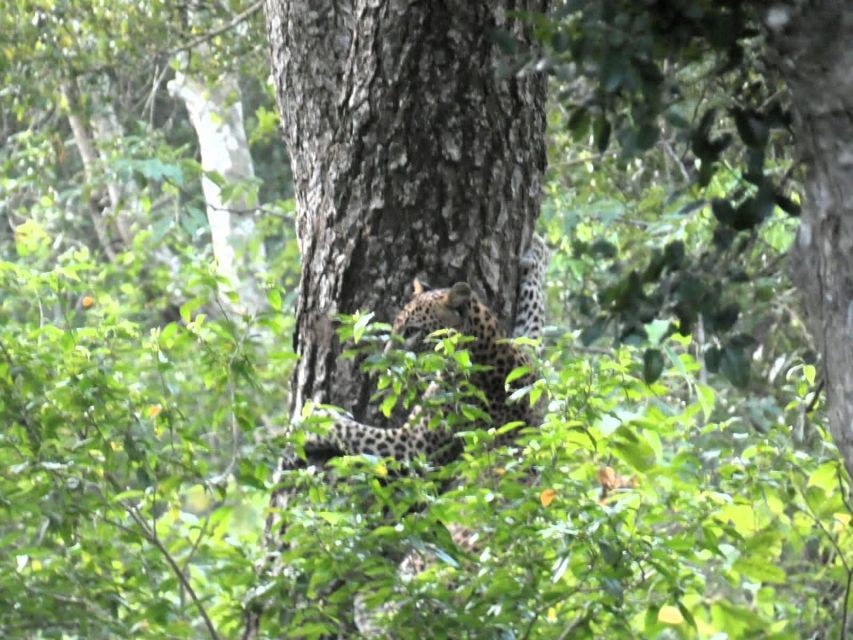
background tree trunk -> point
(216, 112)
(814, 51)
(412, 155)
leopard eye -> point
(410, 331)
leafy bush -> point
(633, 510)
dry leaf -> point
(610, 481)
(607, 477)
(547, 497)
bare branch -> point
(89, 156)
(210, 35)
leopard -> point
(529, 323)
(530, 306)
(459, 309)
(456, 308)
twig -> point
(826, 533)
(843, 491)
(253, 210)
(595, 351)
(18, 406)
(151, 100)
(202, 532)
(670, 152)
(530, 626)
(815, 395)
(846, 608)
(90, 607)
(569, 630)
(152, 537)
(233, 22)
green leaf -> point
(603, 248)
(633, 448)
(723, 211)
(189, 306)
(332, 517)
(601, 132)
(687, 615)
(560, 568)
(825, 477)
(274, 299)
(515, 374)
(725, 318)
(463, 359)
(168, 331)
(388, 404)
(787, 205)
(647, 136)
(705, 395)
(360, 326)
(579, 122)
(713, 357)
(735, 366)
(751, 127)
(652, 365)
(760, 570)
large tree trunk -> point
(814, 51)
(412, 155)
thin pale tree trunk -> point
(114, 206)
(84, 140)
(216, 112)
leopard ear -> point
(419, 286)
(459, 295)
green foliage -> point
(680, 85)
(634, 510)
(123, 452)
(133, 486)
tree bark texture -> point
(814, 52)
(412, 155)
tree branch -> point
(210, 35)
(151, 536)
(89, 156)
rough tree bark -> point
(814, 52)
(411, 155)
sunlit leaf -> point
(670, 615)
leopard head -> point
(431, 310)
